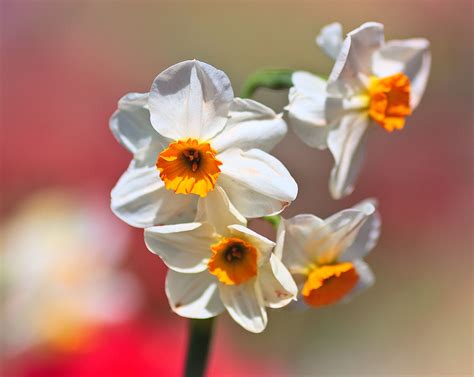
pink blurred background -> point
(64, 66)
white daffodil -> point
(216, 263)
(190, 135)
(325, 256)
(372, 82)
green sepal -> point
(273, 220)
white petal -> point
(278, 287)
(343, 229)
(131, 126)
(368, 234)
(297, 240)
(280, 239)
(306, 109)
(310, 85)
(366, 280)
(217, 210)
(308, 239)
(251, 125)
(347, 145)
(410, 56)
(245, 304)
(354, 61)
(257, 183)
(330, 39)
(183, 247)
(140, 199)
(190, 99)
(264, 245)
(193, 295)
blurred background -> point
(81, 295)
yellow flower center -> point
(328, 284)
(233, 261)
(189, 167)
(390, 101)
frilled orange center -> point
(233, 261)
(189, 167)
(328, 284)
(390, 101)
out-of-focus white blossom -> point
(61, 274)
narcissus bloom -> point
(190, 135)
(325, 256)
(218, 264)
(373, 82)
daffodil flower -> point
(218, 264)
(373, 82)
(188, 136)
(325, 256)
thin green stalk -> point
(267, 78)
(200, 335)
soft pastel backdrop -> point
(64, 65)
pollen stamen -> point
(233, 253)
(390, 101)
(233, 261)
(189, 167)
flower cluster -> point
(201, 167)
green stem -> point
(267, 78)
(200, 334)
(200, 330)
(273, 220)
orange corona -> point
(328, 284)
(189, 167)
(390, 101)
(233, 261)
